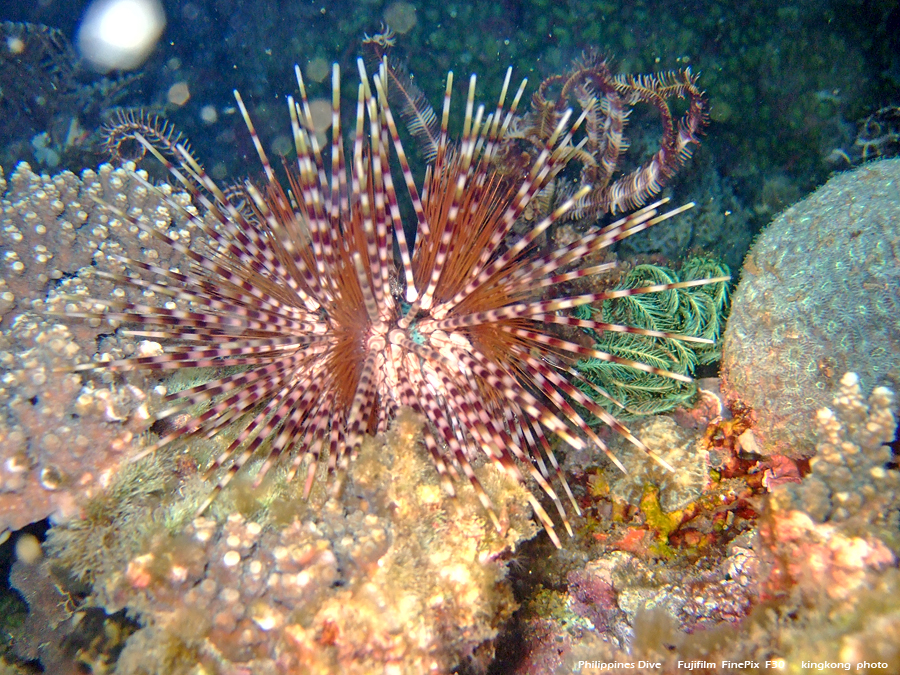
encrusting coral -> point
(679, 447)
(64, 434)
(390, 575)
(813, 578)
(61, 439)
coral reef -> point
(691, 496)
(264, 582)
(61, 439)
(389, 577)
(816, 561)
(621, 585)
(680, 448)
(333, 333)
(64, 434)
(829, 545)
(620, 609)
(818, 297)
(788, 586)
(851, 480)
(52, 230)
(798, 76)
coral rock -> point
(852, 481)
(819, 296)
(386, 578)
(61, 438)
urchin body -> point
(333, 333)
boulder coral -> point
(819, 296)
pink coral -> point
(62, 434)
(818, 557)
(61, 438)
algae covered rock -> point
(819, 296)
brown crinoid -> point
(607, 100)
(332, 332)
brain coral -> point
(819, 296)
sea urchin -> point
(331, 319)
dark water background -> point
(788, 82)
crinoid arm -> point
(415, 110)
(327, 334)
(121, 131)
(606, 101)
